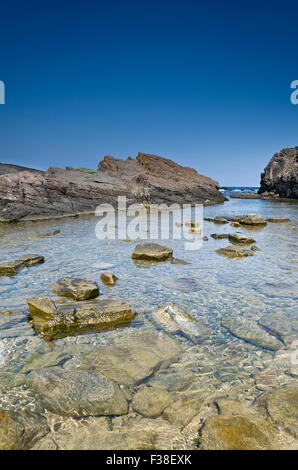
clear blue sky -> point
(206, 85)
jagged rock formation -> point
(28, 194)
(281, 174)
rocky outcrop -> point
(281, 174)
(30, 194)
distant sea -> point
(240, 189)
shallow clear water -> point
(210, 287)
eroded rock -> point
(11, 268)
(108, 279)
(240, 239)
(152, 252)
(31, 260)
(234, 252)
(75, 288)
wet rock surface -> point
(175, 320)
(75, 288)
(76, 393)
(152, 252)
(278, 220)
(240, 239)
(234, 252)
(151, 401)
(109, 279)
(52, 323)
(285, 329)
(11, 268)
(249, 331)
(280, 175)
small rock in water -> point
(151, 401)
(233, 252)
(240, 239)
(250, 331)
(75, 288)
(235, 224)
(219, 236)
(255, 248)
(282, 327)
(11, 268)
(220, 220)
(76, 393)
(249, 219)
(48, 234)
(31, 260)
(175, 320)
(152, 252)
(6, 313)
(108, 279)
(278, 219)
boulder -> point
(76, 393)
(250, 219)
(239, 239)
(152, 252)
(175, 320)
(151, 401)
(234, 252)
(20, 430)
(250, 331)
(130, 360)
(108, 279)
(75, 288)
(281, 407)
(52, 323)
(237, 433)
(280, 175)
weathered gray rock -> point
(76, 393)
(151, 401)
(132, 359)
(31, 260)
(109, 279)
(152, 252)
(52, 323)
(278, 220)
(11, 268)
(20, 430)
(175, 320)
(281, 407)
(280, 175)
(240, 239)
(249, 331)
(75, 288)
(234, 252)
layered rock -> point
(281, 174)
(28, 194)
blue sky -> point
(207, 85)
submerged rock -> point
(235, 224)
(52, 323)
(130, 360)
(237, 433)
(282, 327)
(254, 248)
(31, 260)
(281, 407)
(249, 331)
(75, 288)
(108, 279)
(48, 234)
(175, 320)
(233, 252)
(152, 252)
(151, 401)
(182, 411)
(76, 393)
(20, 430)
(11, 268)
(278, 219)
(219, 236)
(240, 239)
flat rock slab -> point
(282, 327)
(245, 196)
(152, 252)
(249, 219)
(281, 406)
(220, 236)
(237, 433)
(11, 268)
(278, 220)
(234, 252)
(20, 430)
(249, 331)
(52, 323)
(240, 239)
(132, 359)
(76, 393)
(75, 288)
(31, 260)
(175, 320)
(151, 401)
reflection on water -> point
(209, 288)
